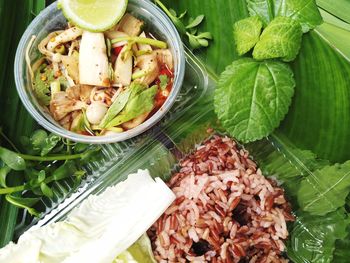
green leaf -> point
(305, 12)
(38, 139)
(313, 238)
(263, 9)
(194, 43)
(41, 176)
(116, 107)
(342, 251)
(325, 190)
(280, 39)
(195, 22)
(206, 35)
(25, 203)
(141, 250)
(246, 33)
(65, 170)
(46, 190)
(142, 103)
(12, 159)
(339, 8)
(253, 97)
(319, 118)
(49, 144)
(164, 80)
(3, 174)
(336, 33)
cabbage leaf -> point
(325, 190)
(253, 97)
(305, 12)
(280, 39)
(246, 33)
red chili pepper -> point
(165, 71)
(117, 50)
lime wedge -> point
(93, 15)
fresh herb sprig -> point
(195, 38)
(48, 158)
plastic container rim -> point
(38, 115)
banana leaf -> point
(319, 118)
(14, 120)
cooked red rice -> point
(225, 210)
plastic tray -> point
(160, 149)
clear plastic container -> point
(182, 128)
(160, 149)
(52, 19)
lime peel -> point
(93, 15)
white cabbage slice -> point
(104, 226)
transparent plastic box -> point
(160, 148)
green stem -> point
(139, 74)
(177, 22)
(10, 190)
(141, 40)
(51, 158)
(8, 140)
(163, 7)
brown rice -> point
(225, 210)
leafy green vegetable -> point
(12, 159)
(195, 39)
(305, 12)
(14, 18)
(164, 81)
(280, 39)
(253, 97)
(246, 33)
(41, 143)
(116, 107)
(325, 190)
(3, 174)
(43, 77)
(141, 251)
(65, 170)
(342, 252)
(313, 238)
(25, 203)
(195, 22)
(142, 103)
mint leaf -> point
(325, 190)
(253, 97)
(280, 39)
(313, 238)
(246, 33)
(164, 80)
(305, 12)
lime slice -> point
(93, 15)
